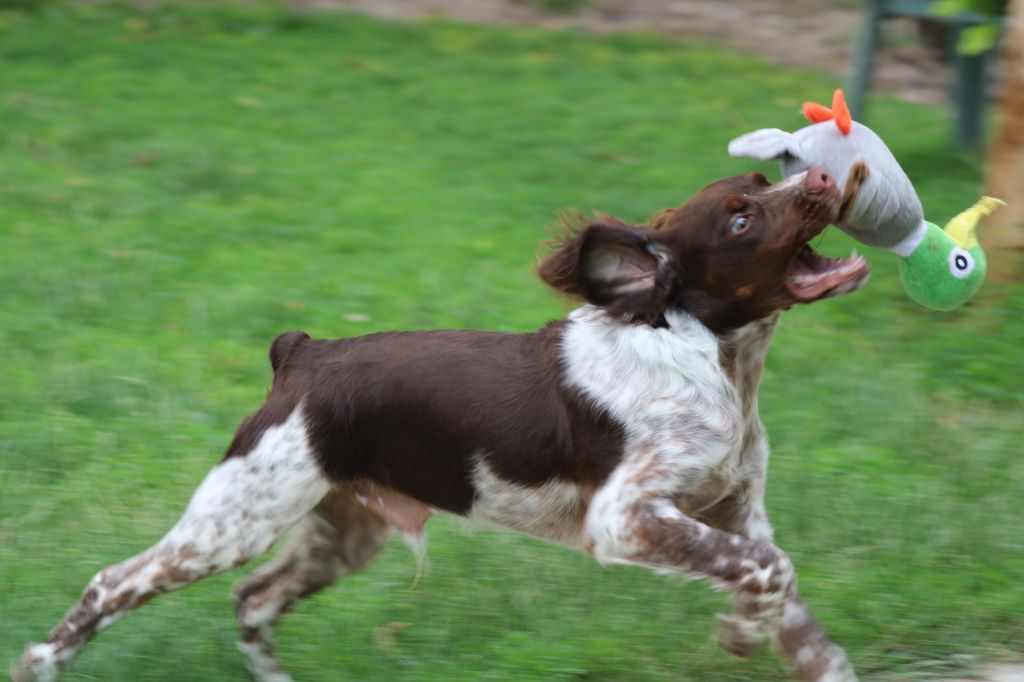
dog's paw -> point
(739, 636)
(38, 664)
(260, 661)
(821, 661)
(838, 668)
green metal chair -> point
(969, 92)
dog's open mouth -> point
(812, 276)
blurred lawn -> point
(178, 186)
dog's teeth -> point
(854, 254)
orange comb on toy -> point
(817, 113)
(840, 111)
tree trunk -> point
(1003, 232)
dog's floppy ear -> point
(613, 265)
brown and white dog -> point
(629, 430)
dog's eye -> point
(739, 224)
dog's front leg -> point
(799, 638)
(741, 512)
(627, 524)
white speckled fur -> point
(666, 385)
(245, 503)
(552, 511)
(687, 497)
(242, 506)
(688, 400)
(337, 538)
(621, 366)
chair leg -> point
(860, 80)
(970, 99)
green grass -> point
(178, 186)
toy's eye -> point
(961, 263)
(739, 224)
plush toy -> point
(939, 268)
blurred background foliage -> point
(179, 183)
(982, 37)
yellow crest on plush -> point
(963, 227)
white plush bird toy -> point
(939, 268)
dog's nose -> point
(817, 180)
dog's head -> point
(736, 252)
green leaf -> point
(951, 8)
(948, 8)
(977, 39)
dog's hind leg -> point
(242, 506)
(336, 539)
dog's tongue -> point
(812, 276)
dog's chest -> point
(687, 406)
(686, 398)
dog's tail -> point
(284, 345)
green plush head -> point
(948, 265)
(940, 273)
